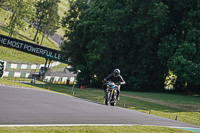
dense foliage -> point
(144, 39)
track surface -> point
(21, 106)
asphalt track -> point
(23, 106)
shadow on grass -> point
(22, 37)
(5, 29)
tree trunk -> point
(37, 31)
(12, 29)
(12, 22)
(42, 39)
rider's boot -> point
(117, 96)
(105, 94)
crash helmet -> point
(116, 72)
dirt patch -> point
(190, 107)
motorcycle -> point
(111, 94)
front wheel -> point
(114, 101)
(107, 99)
(113, 104)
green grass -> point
(22, 80)
(28, 36)
(14, 55)
(16, 84)
(5, 16)
(161, 110)
(167, 97)
(63, 7)
(92, 129)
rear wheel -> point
(107, 99)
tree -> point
(21, 10)
(148, 25)
(3, 3)
(75, 48)
(52, 20)
(179, 50)
(47, 18)
(110, 34)
(147, 40)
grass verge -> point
(7, 82)
(22, 80)
(93, 129)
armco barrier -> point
(58, 79)
(28, 75)
(16, 74)
(28, 66)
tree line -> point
(149, 41)
(42, 14)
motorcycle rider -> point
(116, 78)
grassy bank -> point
(63, 7)
(15, 55)
(8, 82)
(26, 35)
